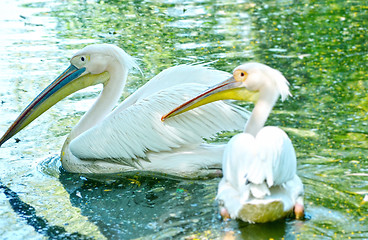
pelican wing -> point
(253, 165)
(239, 154)
(276, 161)
(173, 76)
(132, 131)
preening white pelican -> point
(259, 181)
(132, 137)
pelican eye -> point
(240, 75)
(80, 60)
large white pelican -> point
(133, 137)
(259, 181)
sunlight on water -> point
(320, 47)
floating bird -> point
(259, 181)
(132, 137)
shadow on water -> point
(276, 230)
(138, 206)
(141, 206)
(40, 225)
(125, 207)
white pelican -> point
(259, 181)
(133, 137)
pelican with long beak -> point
(132, 137)
(259, 181)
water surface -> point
(320, 47)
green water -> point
(320, 47)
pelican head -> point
(250, 82)
(92, 65)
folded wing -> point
(135, 127)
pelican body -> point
(132, 136)
(259, 181)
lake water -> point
(320, 47)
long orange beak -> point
(228, 89)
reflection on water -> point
(135, 206)
(320, 47)
(131, 207)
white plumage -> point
(259, 181)
(259, 166)
(259, 176)
(138, 129)
(132, 137)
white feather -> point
(132, 137)
(267, 158)
(133, 131)
(257, 174)
(172, 76)
(129, 134)
(259, 181)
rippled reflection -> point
(320, 48)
